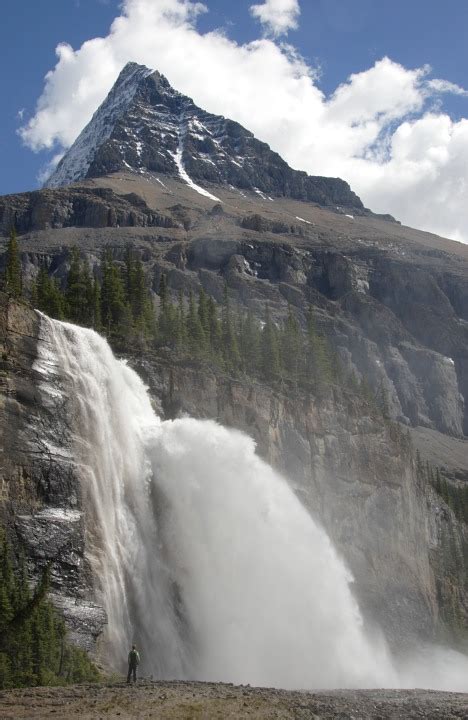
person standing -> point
(133, 662)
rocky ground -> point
(190, 700)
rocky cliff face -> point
(395, 311)
(357, 474)
(40, 499)
(353, 470)
(77, 207)
(200, 199)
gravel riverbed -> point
(206, 701)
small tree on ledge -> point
(13, 279)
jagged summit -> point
(145, 125)
(75, 164)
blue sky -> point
(29, 33)
(340, 37)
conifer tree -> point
(203, 311)
(249, 344)
(33, 649)
(76, 291)
(419, 464)
(163, 292)
(89, 283)
(139, 297)
(13, 274)
(168, 319)
(438, 482)
(214, 330)
(270, 355)
(230, 349)
(114, 311)
(291, 346)
(196, 339)
(180, 330)
(129, 273)
(318, 359)
(96, 305)
(124, 327)
(47, 295)
(139, 300)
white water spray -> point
(202, 553)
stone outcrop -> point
(77, 207)
(409, 343)
(353, 470)
(378, 337)
(356, 473)
(40, 498)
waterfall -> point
(201, 552)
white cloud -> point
(379, 130)
(277, 16)
(47, 169)
(444, 86)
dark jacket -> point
(133, 658)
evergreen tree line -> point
(120, 305)
(33, 646)
(12, 278)
(238, 343)
(455, 496)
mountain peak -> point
(130, 68)
(146, 126)
(134, 73)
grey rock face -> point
(40, 498)
(415, 355)
(352, 470)
(440, 387)
(77, 207)
(395, 313)
(375, 336)
(357, 475)
(145, 125)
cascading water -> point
(201, 552)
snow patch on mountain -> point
(186, 178)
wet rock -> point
(40, 496)
(353, 471)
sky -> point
(374, 92)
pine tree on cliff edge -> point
(13, 279)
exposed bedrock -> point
(354, 471)
(392, 322)
(77, 207)
(40, 497)
(398, 340)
